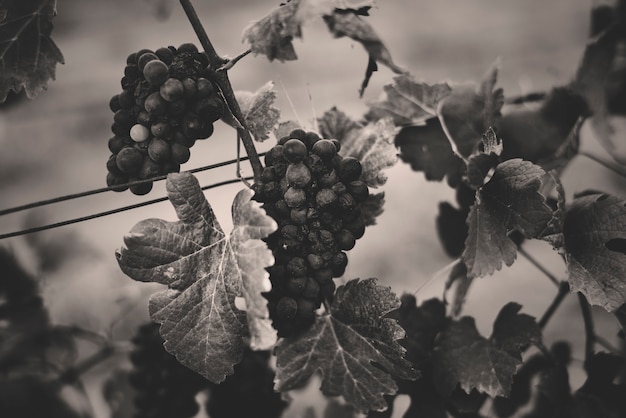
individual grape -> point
(189, 87)
(359, 190)
(141, 188)
(204, 87)
(112, 166)
(306, 308)
(117, 183)
(180, 153)
(325, 149)
(126, 99)
(155, 72)
(116, 143)
(114, 103)
(149, 169)
(139, 133)
(294, 151)
(172, 90)
(187, 47)
(155, 104)
(295, 197)
(129, 160)
(315, 261)
(165, 54)
(325, 198)
(286, 308)
(298, 175)
(345, 239)
(296, 285)
(311, 290)
(159, 150)
(160, 129)
(350, 169)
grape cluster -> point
(166, 104)
(315, 196)
(249, 392)
(164, 387)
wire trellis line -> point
(108, 212)
(86, 193)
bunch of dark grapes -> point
(167, 103)
(164, 387)
(315, 196)
(249, 393)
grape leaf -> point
(259, 112)
(336, 124)
(452, 228)
(509, 201)
(205, 270)
(250, 226)
(467, 112)
(595, 248)
(273, 34)
(426, 148)
(372, 208)
(462, 355)
(28, 56)
(481, 162)
(348, 23)
(373, 146)
(408, 102)
(354, 347)
(592, 74)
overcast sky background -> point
(57, 143)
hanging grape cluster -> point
(315, 195)
(166, 104)
(164, 387)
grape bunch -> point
(164, 387)
(166, 104)
(315, 195)
(249, 392)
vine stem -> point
(590, 336)
(556, 302)
(221, 77)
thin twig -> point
(590, 336)
(556, 302)
(72, 196)
(614, 168)
(221, 77)
(231, 62)
(73, 373)
(526, 98)
(539, 266)
(105, 213)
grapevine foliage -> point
(354, 347)
(205, 271)
(28, 55)
(272, 35)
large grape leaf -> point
(467, 112)
(205, 271)
(354, 347)
(509, 201)
(259, 112)
(28, 56)
(595, 248)
(462, 356)
(273, 34)
(408, 102)
(591, 82)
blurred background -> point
(57, 144)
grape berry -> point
(166, 104)
(315, 196)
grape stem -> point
(221, 78)
(590, 336)
(231, 62)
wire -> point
(106, 189)
(106, 213)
